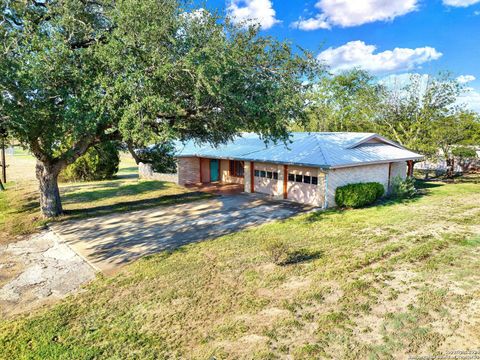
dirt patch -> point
(38, 270)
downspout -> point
(325, 202)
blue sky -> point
(383, 36)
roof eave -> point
(376, 162)
(323, 166)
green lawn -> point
(19, 207)
(383, 282)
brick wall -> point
(188, 170)
(399, 169)
(355, 174)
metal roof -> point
(316, 149)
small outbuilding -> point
(308, 169)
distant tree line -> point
(422, 114)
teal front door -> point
(213, 170)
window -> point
(263, 173)
(236, 168)
(275, 175)
(269, 174)
(298, 178)
(306, 179)
(291, 177)
(257, 173)
(314, 180)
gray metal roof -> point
(316, 149)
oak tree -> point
(75, 73)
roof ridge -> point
(321, 151)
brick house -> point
(306, 170)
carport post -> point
(285, 179)
(252, 177)
(410, 168)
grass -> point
(383, 282)
(19, 207)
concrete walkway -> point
(37, 271)
(111, 241)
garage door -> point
(303, 189)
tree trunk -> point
(50, 203)
(450, 167)
(131, 149)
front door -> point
(213, 170)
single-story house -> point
(308, 169)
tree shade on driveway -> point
(108, 242)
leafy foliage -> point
(422, 113)
(160, 156)
(358, 195)
(348, 101)
(464, 152)
(402, 189)
(100, 162)
(75, 73)
(465, 156)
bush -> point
(160, 157)
(358, 195)
(278, 251)
(98, 163)
(403, 189)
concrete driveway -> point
(111, 241)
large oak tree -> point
(75, 73)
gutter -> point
(326, 167)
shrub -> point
(358, 195)
(403, 189)
(278, 251)
(100, 162)
(160, 157)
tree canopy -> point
(75, 73)
(422, 114)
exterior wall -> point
(188, 170)
(355, 174)
(306, 193)
(145, 171)
(225, 173)
(205, 170)
(399, 169)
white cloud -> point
(348, 13)
(314, 23)
(463, 79)
(358, 54)
(460, 3)
(253, 12)
(471, 98)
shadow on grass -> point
(95, 211)
(131, 189)
(422, 184)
